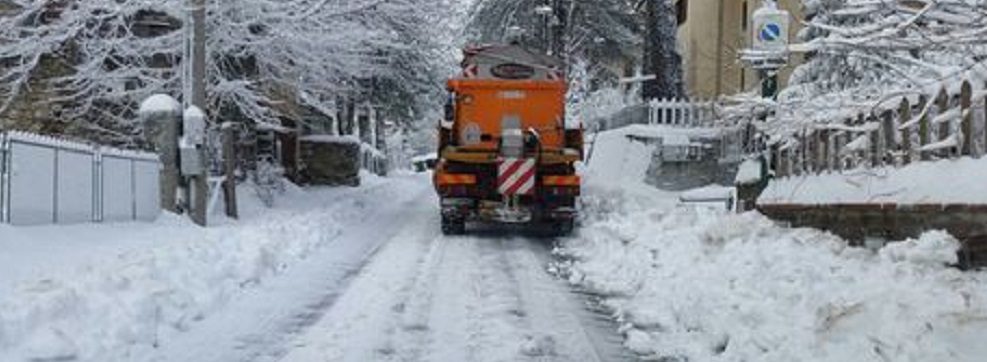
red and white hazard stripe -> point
(470, 71)
(516, 176)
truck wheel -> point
(453, 225)
(563, 227)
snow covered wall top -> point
(57, 143)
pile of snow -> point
(948, 181)
(690, 285)
(620, 157)
(106, 292)
(615, 158)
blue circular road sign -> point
(770, 32)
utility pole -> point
(196, 96)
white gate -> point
(49, 181)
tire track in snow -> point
(485, 298)
(260, 325)
(364, 323)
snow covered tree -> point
(81, 67)
(604, 32)
(862, 53)
(661, 56)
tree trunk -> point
(661, 56)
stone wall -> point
(854, 222)
(329, 162)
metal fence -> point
(49, 181)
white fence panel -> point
(147, 190)
(681, 112)
(45, 180)
(117, 191)
(75, 193)
(32, 184)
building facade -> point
(711, 34)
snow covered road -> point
(392, 288)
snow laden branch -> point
(94, 60)
(865, 54)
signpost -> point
(769, 45)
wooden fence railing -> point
(949, 125)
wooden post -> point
(838, 142)
(229, 170)
(889, 144)
(905, 115)
(966, 100)
(923, 127)
(946, 127)
(818, 158)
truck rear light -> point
(568, 180)
(448, 179)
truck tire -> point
(453, 225)
(563, 227)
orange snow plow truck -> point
(505, 153)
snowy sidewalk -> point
(102, 292)
(693, 285)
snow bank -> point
(690, 285)
(948, 181)
(154, 281)
(617, 160)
